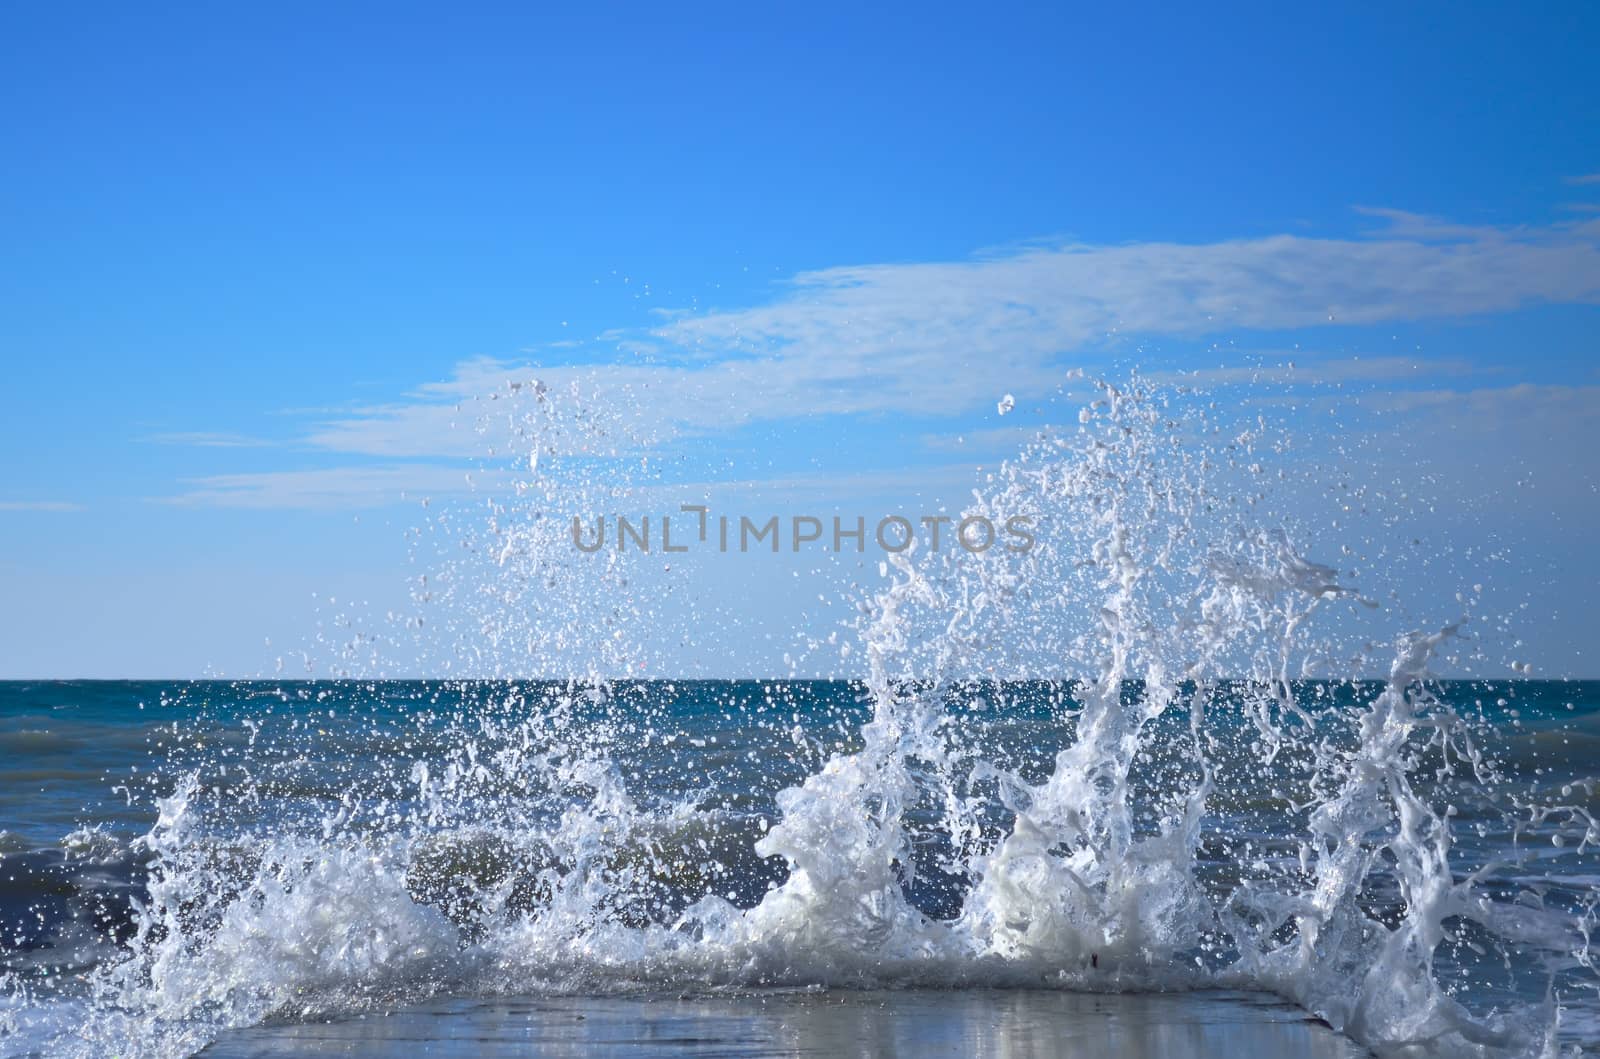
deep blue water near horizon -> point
(82, 762)
(64, 744)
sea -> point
(1163, 785)
(182, 859)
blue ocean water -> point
(487, 799)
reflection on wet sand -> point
(1017, 1024)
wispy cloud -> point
(329, 488)
(995, 441)
(1489, 443)
(922, 338)
(1586, 178)
(1309, 369)
(1005, 313)
(942, 339)
(856, 491)
(40, 505)
(207, 440)
(1521, 402)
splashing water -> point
(1108, 763)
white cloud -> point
(1309, 369)
(1001, 441)
(601, 410)
(353, 488)
(1505, 490)
(942, 339)
(1516, 402)
(330, 488)
(39, 505)
(1008, 313)
(913, 338)
(1484, 444)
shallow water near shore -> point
(910, 1023)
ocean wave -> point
(1175, 809)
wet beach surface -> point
(1011, 1023)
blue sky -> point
(253, 256)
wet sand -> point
(916, 1024)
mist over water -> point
(1148, 753)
